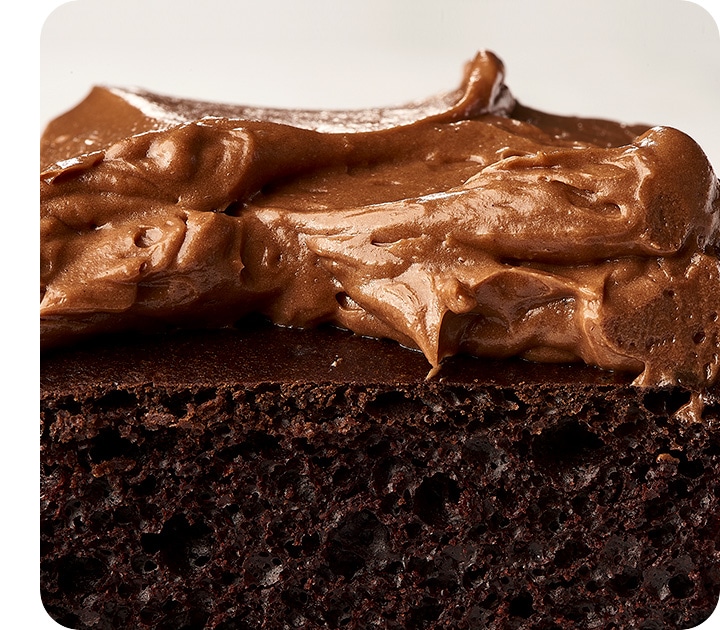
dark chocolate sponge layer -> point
(273, 478)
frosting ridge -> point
(465, 223)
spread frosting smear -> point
(467, 223)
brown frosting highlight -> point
(465, 223)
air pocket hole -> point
(346, 302)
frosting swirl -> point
(466, 223)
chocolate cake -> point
(451, 365)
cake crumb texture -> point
(470, 501)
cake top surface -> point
(467, 223)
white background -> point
(655, 61)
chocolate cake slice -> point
(448, 365)
(275, 478)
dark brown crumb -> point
(220, 481)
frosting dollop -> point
(466, 223)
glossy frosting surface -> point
(467, 223)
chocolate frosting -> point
(467, 223)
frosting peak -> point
(465, 223)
